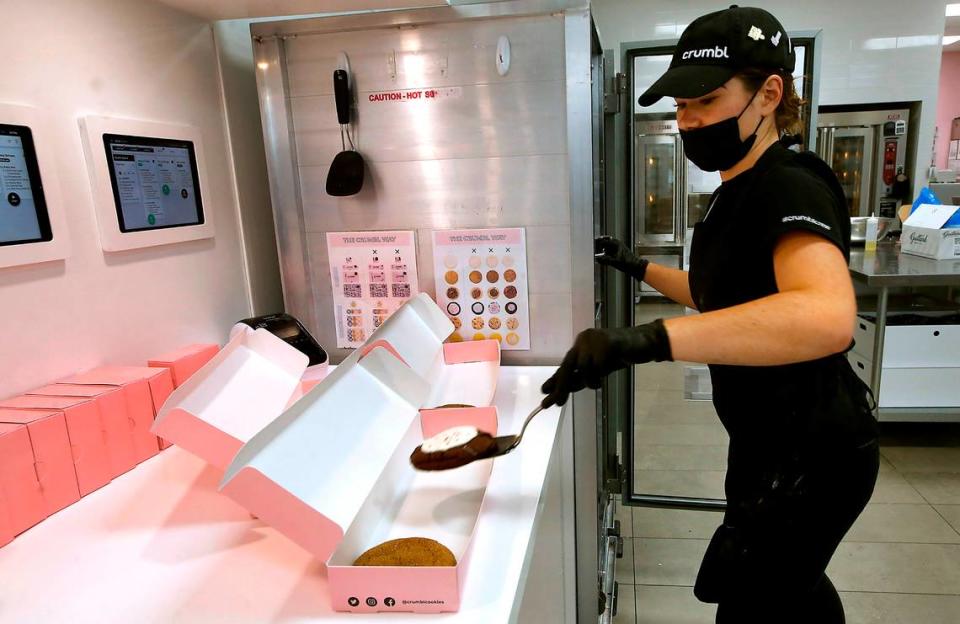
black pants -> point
(786, 515)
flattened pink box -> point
(185, 361)
(87, 442)
(115, 420)
(22, 494)
(52, 456)
(141, 386)
(235, 395)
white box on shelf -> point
(924, 234)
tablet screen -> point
(23, 209)
(154, 182)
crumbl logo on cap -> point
(715, 52)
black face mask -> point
(718, 147)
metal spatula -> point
(345, 176)
(505, 444)
(467, 453)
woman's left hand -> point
(598, 352)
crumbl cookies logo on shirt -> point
(807, 219)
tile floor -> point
(900, 563)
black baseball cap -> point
(714, 47)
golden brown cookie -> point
(408, 551)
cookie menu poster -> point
(372, 274)
(481, 279)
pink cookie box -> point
(185, 361)
(160, 381)
(117, 424)
(87, 442)
(51, 455)
(330, 487)
(142, 387)
(6, 522)
(232, 397)
(22, 494)
(464, 372)
(443, 506)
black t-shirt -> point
(731, 262)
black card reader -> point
(291, 331)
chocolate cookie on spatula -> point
(452, 448)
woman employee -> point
(768, 272)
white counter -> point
(159, 544)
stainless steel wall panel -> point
(491, 154)
(586, 426)
(444, 194)
(552, 313)
(498, 151)
(284, 187)
(508, 119)
(548, 270)
(442, 55)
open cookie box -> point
(257, 376)
(460, 373)
(237, 393)
(333, 474)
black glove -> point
(598, 352)
(611, 252)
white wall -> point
(128, 59)
(877, 51)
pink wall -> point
(948, 104)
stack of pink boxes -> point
(63, 441)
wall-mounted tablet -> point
(154, 182)
(32, 227)
(148, 180)
(23, 207)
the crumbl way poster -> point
(372, 274)
(481, 279)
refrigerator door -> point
(850, 155)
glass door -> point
(674, 448)
(850, 156)
(655, 196)
(667, 195)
